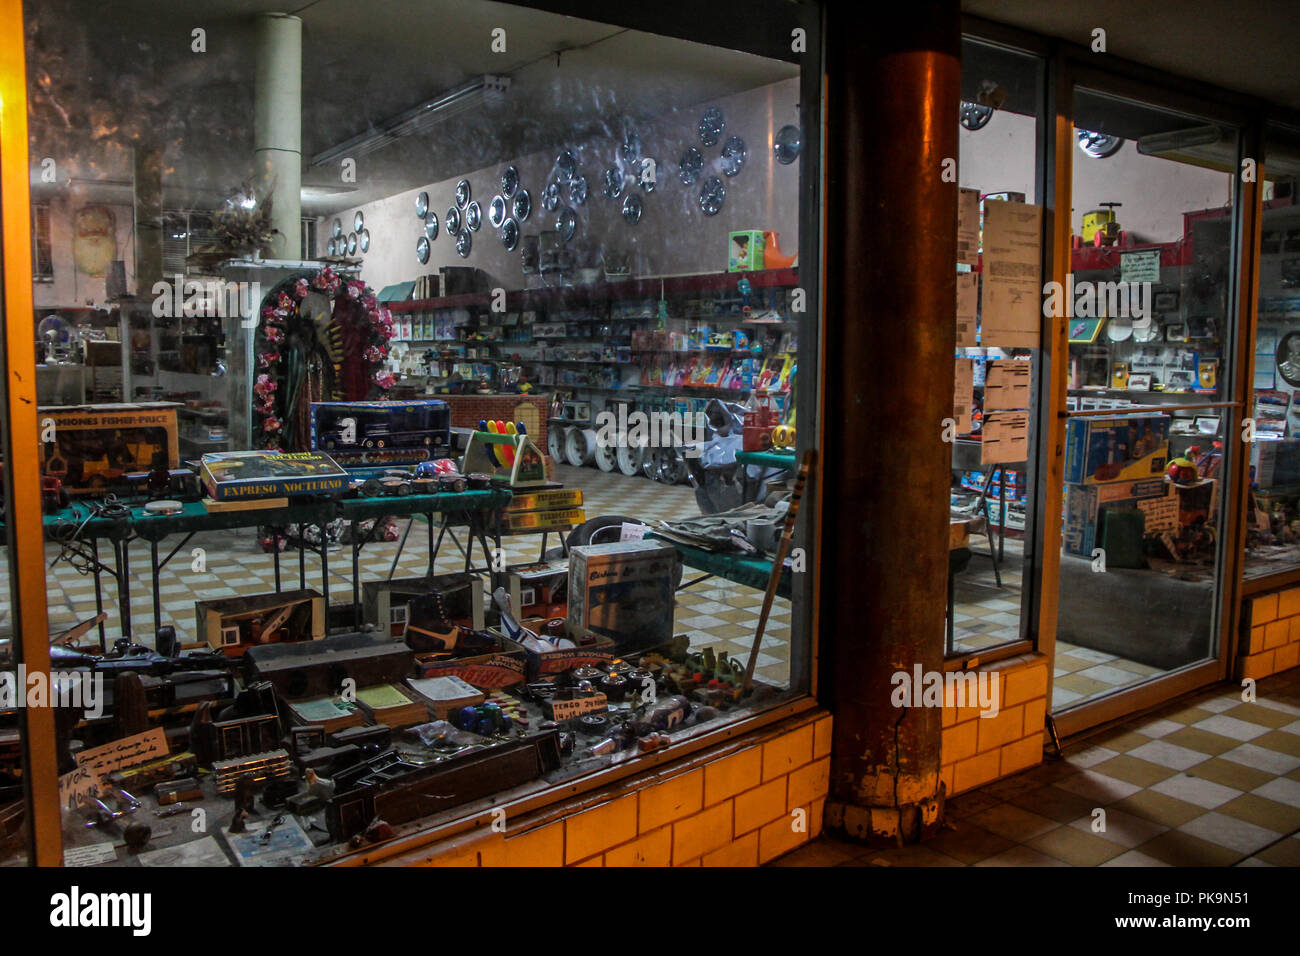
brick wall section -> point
(736, 810)
(1270, 638)
(468, 410)
(976, 750)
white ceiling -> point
(363, 62)
(1250, 46)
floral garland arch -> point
(319, 338)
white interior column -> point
(277, 126)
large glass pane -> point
(1150, 323)
(561, 259)
(998, 363)
(1272, 532)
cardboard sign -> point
(968, 292)
(968, 226)
(1013, 289)
(126, 752)
(963, 395)
(1005, 438)
(78, 788)
(567, 709)
(1006, 385)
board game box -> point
(269, 474)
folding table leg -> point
(99, 594)
(157, 609)
(124, 584)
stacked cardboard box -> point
(1112, 463)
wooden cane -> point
(778, 564)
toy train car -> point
(397, 432)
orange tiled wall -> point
(1270, 640)
(737, 810)
(976, 749)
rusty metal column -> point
(892, 97)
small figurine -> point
(318, 786)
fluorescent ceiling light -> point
(481, 91)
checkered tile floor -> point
(985, 615)
(716, 612)
(1205, 781)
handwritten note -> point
(1013, 295)
(126, 752)
(968, 292)
(1161, 513)
(1140, 266)
(78, 788)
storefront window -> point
(1150, 329)
(1272, 517)
(998, 354)
(13, 815)
(563, 264)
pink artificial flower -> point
(267, 359)
(272, 424)
(373, 354)
(284, 301)
(300, 288)
(273, 334)
(384, 380)
(355, 289)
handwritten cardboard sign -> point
(78, 788)
(126, 752)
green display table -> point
(751, 571)
(81, 535)
(768, 459)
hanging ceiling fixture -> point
(485, 90)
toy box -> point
(539, 590)
(396, 432)
(1116, 447)
(91, 447)
(600, 651)
(745, 251)
(1084, 503)
(384, 602)
(494, 669)
(624, 591)
(269, 474)
(231, 625)
(1276, 463)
